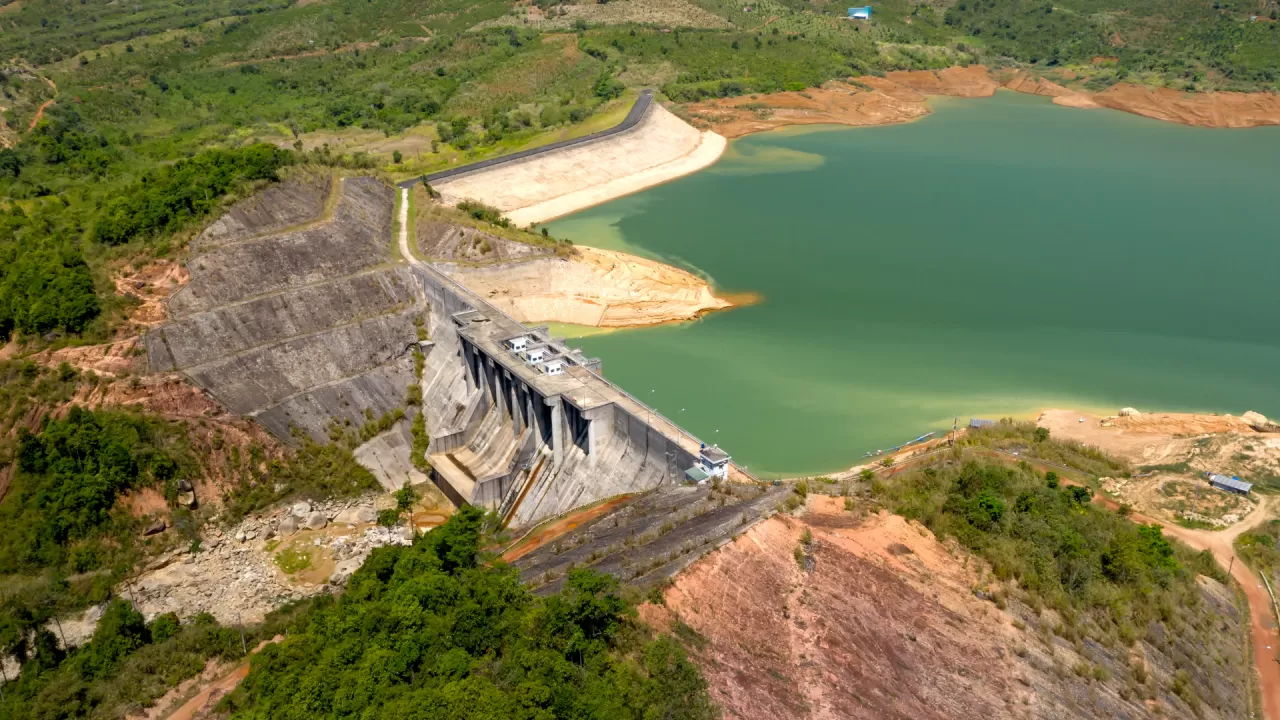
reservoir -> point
(995, 258)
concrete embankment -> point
(295, 316)
(660, 147)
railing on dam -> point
(633, 118)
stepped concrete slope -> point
(297, 317)
(356, 238)
(275, 209)
(658, 148)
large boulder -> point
(288, 525)
(155, 527)
(1128, 412)
(186, 494)
(1259, 422)
(315, 521)
(302, 509)
(358, 515)
(343, 570)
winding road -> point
(1266, 637)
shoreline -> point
(1192, 419)
(597, 288)
(901, 96)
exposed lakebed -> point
(996, 257)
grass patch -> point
(293, 559)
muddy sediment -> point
(598, 288)
(581, 286)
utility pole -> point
(1231, 565)
(244, 649)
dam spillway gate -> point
(522, 424)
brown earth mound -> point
(839, 614)
(972, 81)
(883, 626)
(1024, 83)
(834, 103)
(1215, 109)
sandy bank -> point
(661, 148)
(599, 288)
(901, 97)
(834, 103)
(1216, 109)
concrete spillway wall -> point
(529, 445)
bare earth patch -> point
(839, 614)
(666, 13)
(598, 288)
(900, 97)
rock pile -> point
(232, 574)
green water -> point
(998, 257)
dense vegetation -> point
(1106, 576)
(428, 632)
(1260, 548)
(60, 510)
(127, 665)
(65, 540)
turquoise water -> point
(998, 257)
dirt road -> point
(40, 111)
(39, 115)
(1266, 638)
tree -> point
(396, 157)
(1042, 434)
(10, 163)
(427, 632)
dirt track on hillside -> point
(1266, 637)
(1162, 437)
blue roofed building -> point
(1230, 484)
(860, 13)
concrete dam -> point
(301, 314)
(522, 424)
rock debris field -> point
(236, 575)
